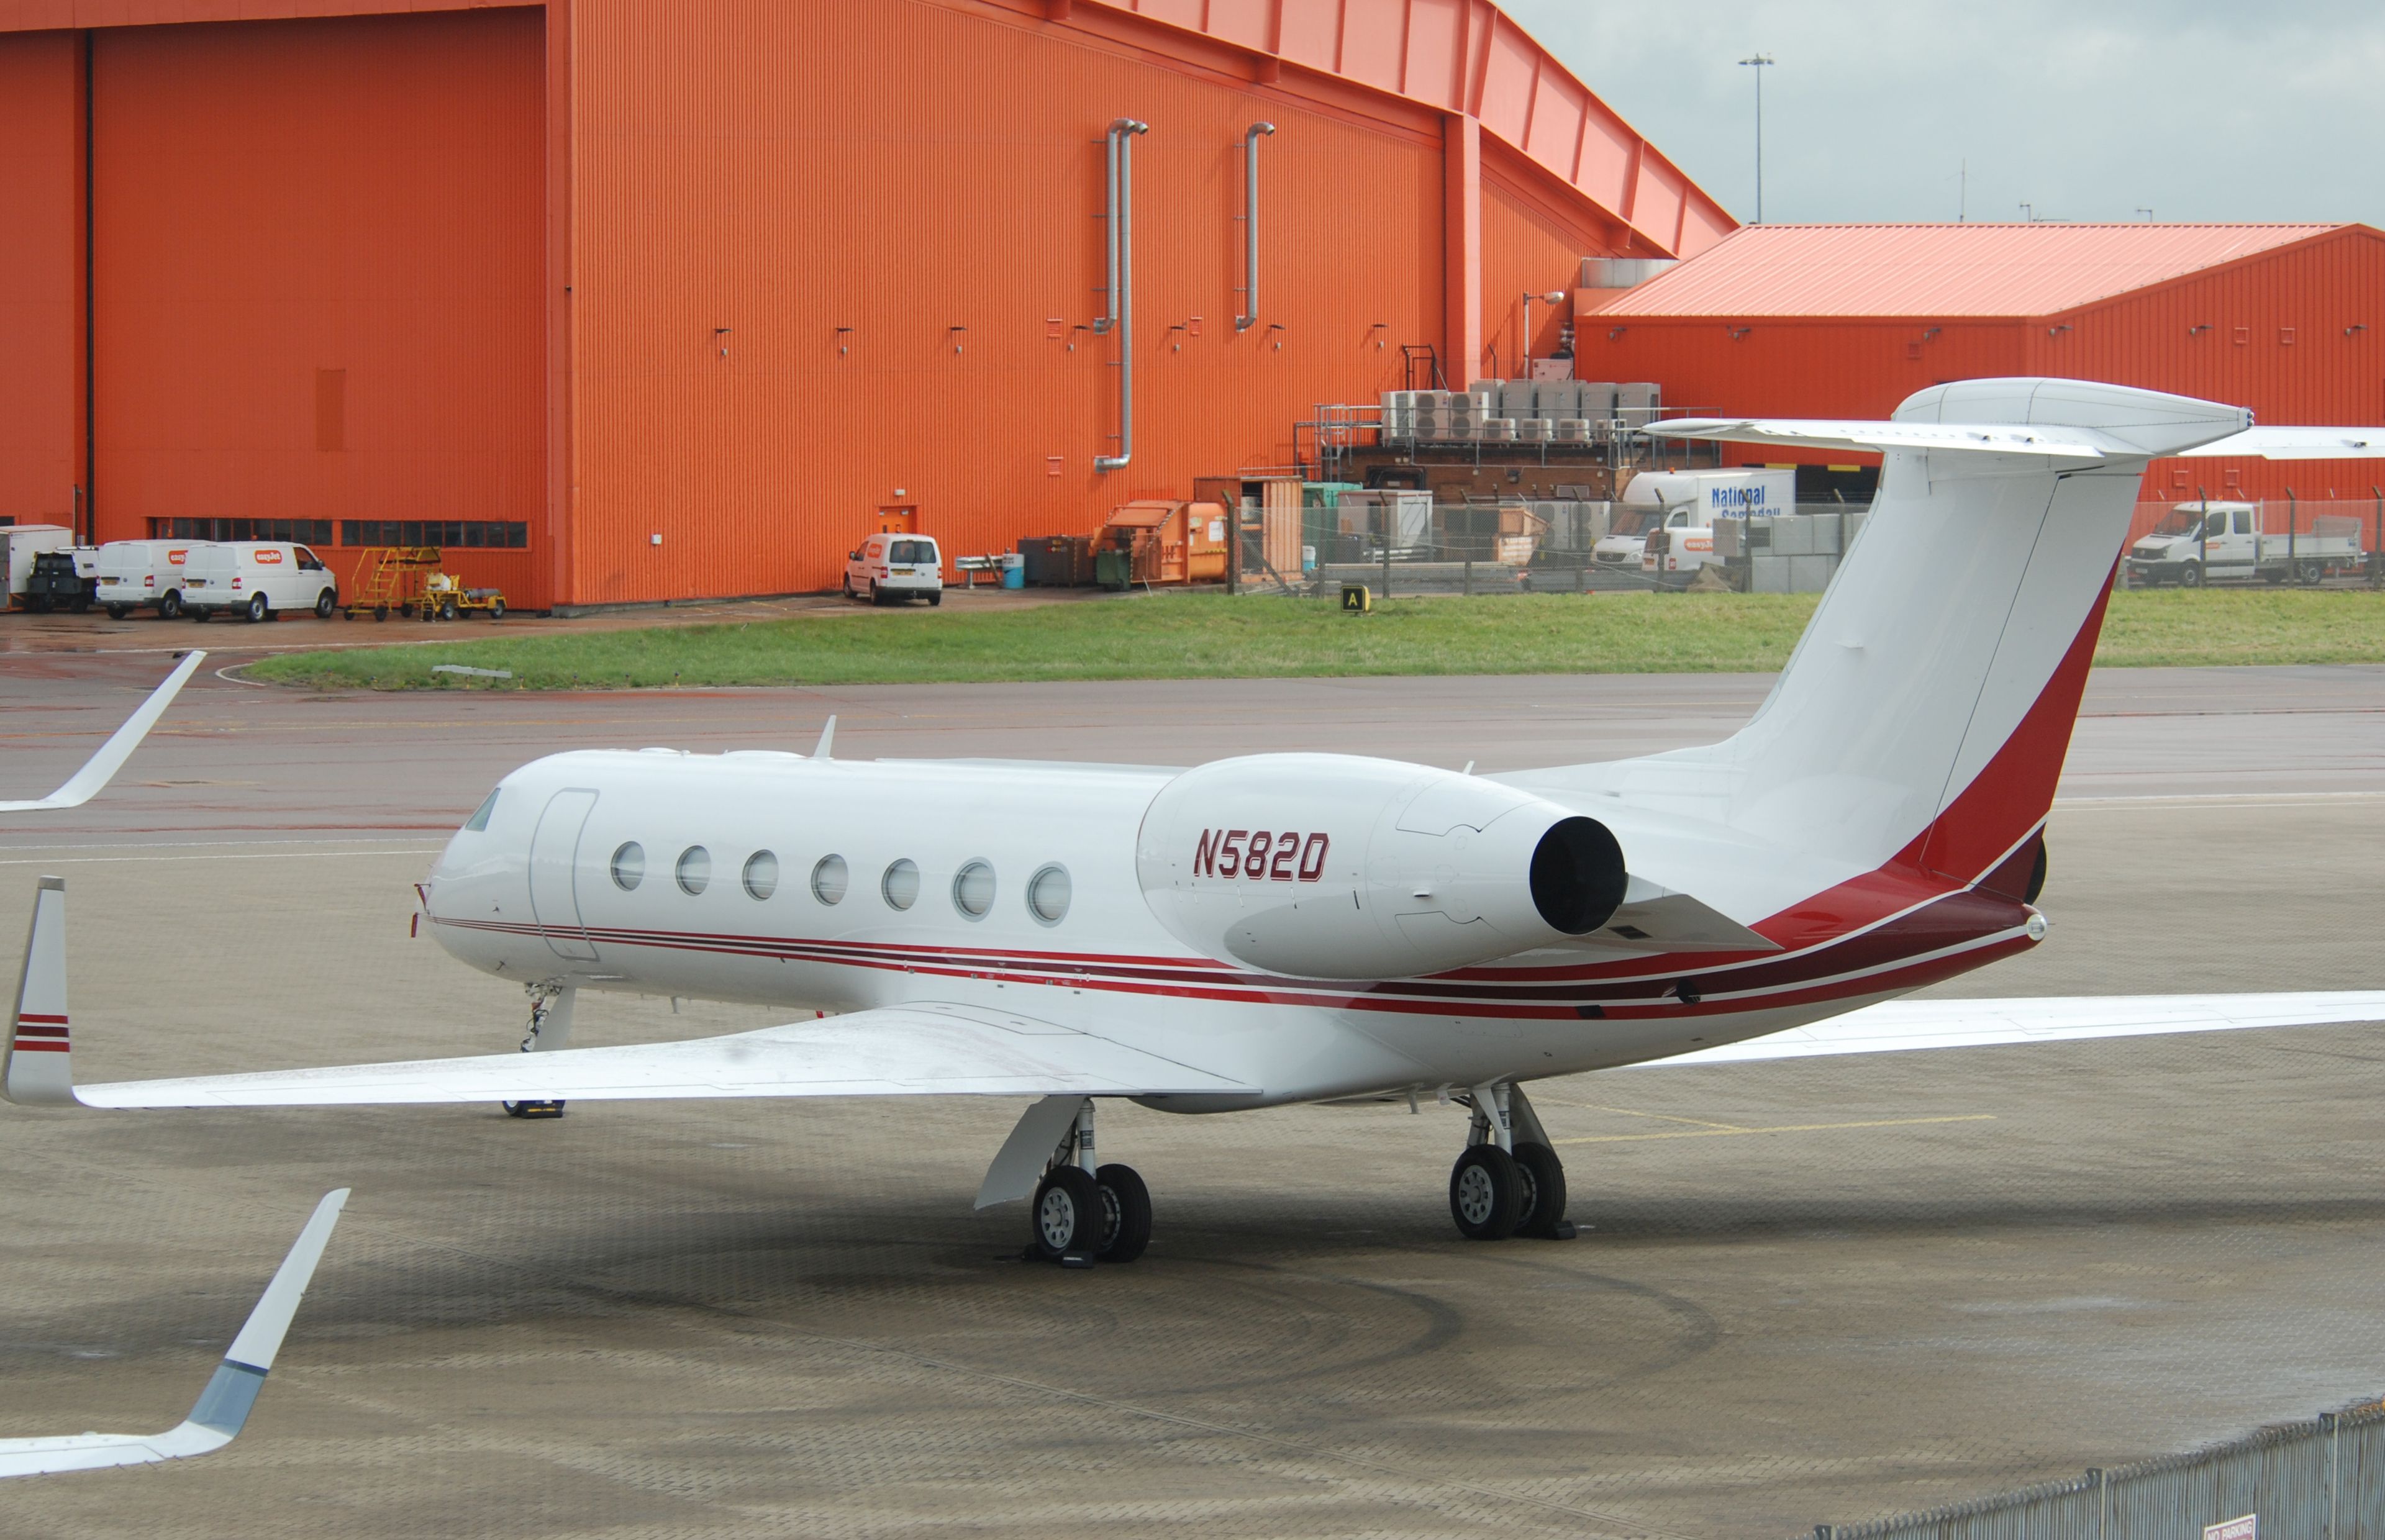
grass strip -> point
(1172, 635)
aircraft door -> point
(554, 865)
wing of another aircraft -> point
(1901, 1025)
(1831, 433)
(223, 1406)
(101, 768)
(2297, 443)
(900, 1051)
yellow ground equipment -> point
(407, 579)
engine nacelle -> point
(1334, 866)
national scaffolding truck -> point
(1663, 526)
(2200, 543)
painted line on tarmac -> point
(255, 855)
(2155, 800)
(412, 840)
(1728, 1132)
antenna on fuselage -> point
(828, 736)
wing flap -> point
(1905, 1026)
(898, 1051)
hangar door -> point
(318, 259)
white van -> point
(137, 573)
(1670, 515)
(256, 579)
(895, 567)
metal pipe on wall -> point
(1121, 317)
(1251, 225)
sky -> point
(2090, 110)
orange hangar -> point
(618, 300)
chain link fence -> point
(2320, 1480)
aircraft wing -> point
(101, 768)
(2075, 443)
(223, 1407)
(895, 1050)
(2297, 443)
(1901, 1025)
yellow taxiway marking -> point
(1725, 1131)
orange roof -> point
(2032, 269)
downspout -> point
(1122, 283)
(1251, 225)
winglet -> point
(224, 1406)
(35, 1068)
(101, 768)
(828, 736)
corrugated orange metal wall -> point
(1527, 245)
(41, 277)
(2311, 292)
(843, 185)
(274, 199)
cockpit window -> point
(479, 819)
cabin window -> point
(829, 879)
(901, 885)
(1047, 895)
(761, 874)
(629, 867)
(479, 819)
(694, 870)
(973, 890)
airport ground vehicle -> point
(137, 573)
(257, 580)
(1276, 928)
(63, 579)
(1671, 515)
(886, 568)
(2199, 542)
(19, 543)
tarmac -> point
(1811, 1291)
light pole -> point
(1759, 62)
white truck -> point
(135, 574)
(1663, 528)
(2200, 543)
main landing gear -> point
(550, 1028)
(1509, 1182)
(1084, 1214)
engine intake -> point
(1335, 866)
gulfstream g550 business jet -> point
(1307, 927)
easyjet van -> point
(136, 574)
(257, 579)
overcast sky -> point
(2089, 110)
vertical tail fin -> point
(36, 1070)
(1926, 712)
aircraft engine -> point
(1334, 866)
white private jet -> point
(223, 1407)
(101, 768)
(1316, 928)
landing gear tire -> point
(1067, 1216)
(1541, 1213)
(1486, 1193)
(533, 1109)
(1126, 1213)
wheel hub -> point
(1475, 1198)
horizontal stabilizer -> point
(2297, 443)
(2069, 443)
(1657, 919)
(897, 1051)
(223, 1407)
(101, 768)
(1903, 1026)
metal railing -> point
(1336, 435)
(2320, 1480)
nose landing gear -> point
(1085, 1213)
(1508, 1181)
(550, 1028)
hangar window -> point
(1047, 895)
(479, 819)
(313, 531)
(694, 870)
(761, 874)
(901, 885)
(629, 867)
(829, 879)
(973, 890)
(489, 534)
